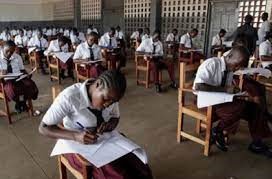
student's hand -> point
(108, 126)
(85, 137)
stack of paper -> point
(109, 147)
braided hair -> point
(115, 80)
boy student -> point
(146, 34)
(265, 52)
(21, 41)
(38, 44)
(94, 106)
(137, 35)
(264, 29)
(18, 91)
(214, 75)
(61, 45)
(5, 35)
(217, 42)
(90, 51)
(154, 46)
(173, 37)
(91, 29)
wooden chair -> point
(6, 112)
(203, 117)
(82, 71)
(33, 60)
(143, 65)
(63, 163)
(110, 58)
(54, 68)
(186, 56)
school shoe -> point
(174, 85)
(260, 148)
(18, 107)
(218, 139)
(158, 88)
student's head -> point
(118, 28)
(269, 36)
(264, 16)
(237, 58)
(147, 31)
(175, 31)
(62, 40)
(222, 32)
(112, 32)
(39, 34)
(248, 19)
(156, 36)
(108, 88)
(140, 30)
(6, 29)
(194, 33)
(21, 32)
(92, 38)
(9, 48)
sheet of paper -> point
(26, 75)
(205, 99)
(63, 56)
(10, 76)
(31, 49)
(228, 43)
(261, 71)
(95, 61)
(109, 147)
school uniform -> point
(55, 47)
(21, 43)
(145, 36)
(40, 44)
(213, 72)
(29, 33)
(119, 35)
(13, 32)
(157, 63)
(54, 31)
(74, 39)
(49, 32)
(265, 27)
(107, 41)
(5, 36)
(89, 30)
(172, 38)
(81, 37)
(73, 106)
(93, 53)
(265, 49)
(25, 87)
(217, 44)
(66, 33)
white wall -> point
(26, 12)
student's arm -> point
(54, 116)
(210, 88)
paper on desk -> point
(93, 61)
(205, 99)
(228, 43)
(10, 76)
(108, 148)
(261, 71)
(31, 49)
(63, 56)
(26, 75)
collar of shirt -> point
(84, 98)
(188, 35)
(223, 64)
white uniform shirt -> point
(266, 50)
(74, 39)
(21, 41)
(119, 35)
(16, 63)
(49, 32)
(145, 36)
(135, 35)
(216, 40)
(105, 41)
(147, 46)
(44, 30)
(55, 47)
(186, 40)
(5, 36)
(60, 30)
(83, 51)
(71, 106)
(66, 33)
(81, 37)
(13, 32)
(265, 27)
(35, 42)
(211, 72)
(172, 38)
(54, 31)
(29, 33)
(92, 30)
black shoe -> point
(158, 88)
(174, 85)
(18, 107)
(23, 106)
(218, 139)
(260, 148)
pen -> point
(85, 129)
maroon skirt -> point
(126, 167)
(93, 71)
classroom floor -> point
(149, 119)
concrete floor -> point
(149, 119)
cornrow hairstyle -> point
(115, 80)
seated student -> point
(264, 29)
(217, 42)
(29, 33)
(119, 35)
(215, 75)
(66, 32)
(172, 38)
(265, 52)
(154, 46)
(137, 35)
(186, 43)
(74, 37)
(21, 41)
(90, 51)
(91, 29)
(93, 104)
(18, 91)
(146, 34)
(5, 35)
(61, 45)
(40, 45)
(14, 32)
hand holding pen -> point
(85, 136)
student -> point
(61, 45)
(74, 37)
(93, 104)
(90, 51)
(29, 33)
(214, 75)
(264, 29)
(146, 34)
(18, 91)
(265, 52)
(137, 35)
(217, 42)
(172, 38)
(186, 41)
(14, 32)
(108, 39)
(40, 45)
(66, 32)
(119, 35)
(154, 46)
(91, 29)
(21, 42)
(5, 35)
